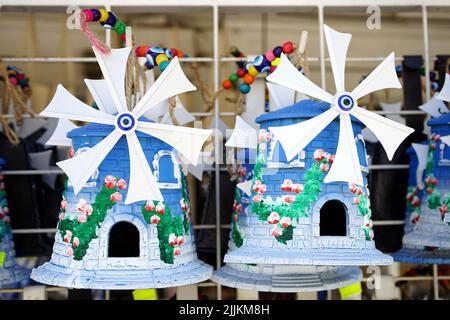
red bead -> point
(174, 52)
(288, 47)
(227, 84)
(240, 72)
(123, 37)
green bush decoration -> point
(86, 231)
(236, 235)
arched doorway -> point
(123, 240)
(333, 219)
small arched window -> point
(167, 170)
(333, 219)
(444, 154)
(362, 154)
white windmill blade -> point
(246, 187)
(243, 136)
(422, 157)
(435, 107)
(382, 77)
(181, 114)
(337, 43)
(65, 105)
(286, 74)
(171, 82)
(296, 137)
(346, 166)
(81, 167)
(444, 94)
(446, 140)
(143, 184)
(280, 95)
(114, 67)
(59, 136)
(187, 141)
(390, 133)
(100, 92)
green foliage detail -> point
(287, 234)
(86, 231)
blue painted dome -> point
(442, 120)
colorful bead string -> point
(434, 84)
(18, 78)
(263, 63)
(157, 56)
(107, 19)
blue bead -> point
(398, 68)
(277, 51)
(96, 14)
(244, 88)
(434, 86)
(150, 60)
(163, 65)
(154, 51)
(261, 63)
(432, 75)
(168, 53)
(149, 66)
(110, 22)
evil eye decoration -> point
(345, 102)
(126, 123)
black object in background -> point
(440, 65)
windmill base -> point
(13, 276)
(421, 256)
(122, 279)
(309, 257)
(276, 278)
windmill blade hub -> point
(126, 122)
(344, 102)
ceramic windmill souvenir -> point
(11, 274)
(429, 241)
(125, 178)
(299, 179)
(267, 277)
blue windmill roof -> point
(303, 109)
(444, 119)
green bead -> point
(120, 27)
(233, 77)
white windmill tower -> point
(81, 257)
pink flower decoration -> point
(67, 236)
(324, 167)
(172, 239)
(287, 185)
(273, 218)
(277, 232)
(61, 216)
(176, 251)
(416, 201)
(262, 146)
(330, 158)
(183, 204)
(116, 197)
(289, 198)
(69, 252)
(149, 206)
(319, 154)
(262, 188)
(71, 152)
(285, 222)
(81, 205)
(64, 204)
(76, 242)
(160, 208)
(236, 218)
(410, 196)
(7, 219)
(443, 209)
(239, 208)
(180, 240)
(297, 188)
(262, 135)
(257, 198)
(121, 184)
(88, 209)
(356, 200)
(414, 218)
(359, 191)
(110, 181)
(154, 219)
(5, 210)
(82, 218)
(242, 171)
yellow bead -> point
(160, 58)
(275, 62)
(252, 71)
(103, 15)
